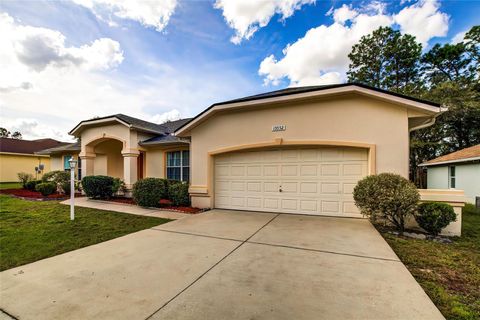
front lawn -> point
(449, 273)
(34, 230)
(10, 185)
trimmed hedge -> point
(149, 191)
(98, 187)
(388, 196)
(178, 193)
(434, 216)
(46, 188)
(56, 176)
(30, 185)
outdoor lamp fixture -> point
(73, 164)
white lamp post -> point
(73, 164)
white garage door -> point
(317, 181)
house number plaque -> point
(279, 127)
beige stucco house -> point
(297, 150)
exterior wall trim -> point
(25, 154)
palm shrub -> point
(24, 177)
(178, 193)
(434, 216)
(98, 187)
(388, 196)
(46, 188)
(149, 191)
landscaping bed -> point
(164, 205)
(448, 272)
(30, 231)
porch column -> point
(130, 169)
(88, 165)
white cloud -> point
(423, 20)
(459, 37)
(247, 16)
(48, 95)
(152, 13)
(321, 55)
(32, 129)
(171, 115)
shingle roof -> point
(71, 147)
(27, 146)
(471, 153)
(174, 125)
(164, 139)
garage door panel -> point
(311, 180)
(270, 171)
(271, 203)
(330, 169)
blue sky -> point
(72, 60)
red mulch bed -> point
(164, 205)
(27, 194)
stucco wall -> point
(467, 179)
(155, 163)
(109, 159)
(12, 164)
(353, 118)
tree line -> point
(4, 133)
(447, 74)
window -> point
(451, 177)
(66, 163)
(178, 165)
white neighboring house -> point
(456, 170)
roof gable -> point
(298, 93)
(131, 122)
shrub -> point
(388, 196)
(434, 216)
(118, 186)
(168, 184)
(149, 191)
(30, 185)
(65, 187)
(46, 188)
(56, 176)
(98, 187)
(178, 193)
(24, 177)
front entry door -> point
(140, 162)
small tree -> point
(388, 196)
(24, 177)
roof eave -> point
(426, 164)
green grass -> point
(10, 185)
(449, 273)
(34, 230)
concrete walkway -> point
(127, 208)
(224, 265)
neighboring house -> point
(17, 155)
(297, 150)
(60, 157)
(456, 170)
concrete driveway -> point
(224, 265)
